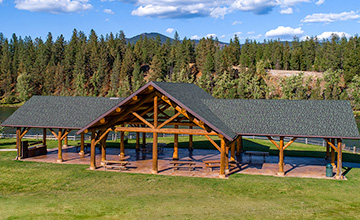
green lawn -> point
(30, 190)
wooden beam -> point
(23, 132)
(170, 123)
(339, 159)
(122, 144)
(331, 143)
(18, 143)
(102, 135)
(281, 157)
(82, 144)
(60, 159)
(118, 110)
(176, 145)
(151, 87)
(166, 130)
(232, 149)
(92, 152)
(143, 120)
(137, 144)
(66, 132)
(135, 98)
(222, 159)
(191, 147)
(169, 120)
(53, 132)
(290, 142)
(213, 142)
(272, 141)
(155, 138)
(333, 150)
(103, 148)
(102, 121)
(239, 146)
(44, 137)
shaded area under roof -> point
(298, 118)
(189, 96)
(60, 111)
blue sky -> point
(253, 19)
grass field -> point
(30, 190)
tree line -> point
(110, 66)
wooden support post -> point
(339, 159)
(93, 152)
(66, 141)
(232, 156)
(122, 144)
(222, 159)
(327, 151)
(332, 160)
(281, 157)
(155, 138)
(60, 159)
(176, 145)
(143, 139)
(191, 148)
(137, 146)
(103, 149)
(239, 146)
(18, 143)
(82, 144)
(44, 137)
(227, 159)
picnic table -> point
(256, 153)
(215, 163)
(184, 164)
(116, 164)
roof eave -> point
(297, 136)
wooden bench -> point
(215, 164)
(256, 153)
(116, 164)
(31, 149)
(184, 164)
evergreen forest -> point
(93, 65)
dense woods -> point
(110, 66)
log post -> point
(143, 139)
(227, 159)
(176, 145)
(137, 146)
(82, 144)
(155, 138)
(222, 159)
(66, 141)
(232, 149)
(327, 151)
(103, 149)
(44, 137)
(333, 153)
(92, 152)
(339, 159)
(18, 143)
(239, 146)
(281, 157)
(122, 144)
(191, 148)
(60, 159)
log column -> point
(66, 141)
(191, 148)
(176, 145)
(333, 153)
(122, 144)
(232, 155)
(92, 152)
(281, 157)
(137, 147)
(18, 142)
(339, 159)
(103, 149)
(227, 159)
(327, 151)
(44, 137)
(143, 139)
(239, 146)
(155, 138)
(222, 158)
(82, 144)
(60, 158)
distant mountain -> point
(163, 38)
(152, 35)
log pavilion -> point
(194, 112)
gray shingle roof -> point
(307, 118)
(60, 111)
(189, 96)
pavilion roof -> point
(59, 111)
(295, 118)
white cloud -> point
(211, 36)
(107, 19)
(327, 34)
(236, 22)
(53, 6)
(205, 8)
(331, 17)
(195, 37)
(170, 30)
(251, 32)
(108, 11)
(284, 32)
(287, 11)
(320, 2)
(1, 1)
(222, 36)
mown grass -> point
(30, 190)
